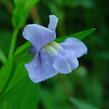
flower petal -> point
(72, 59)
(65, 61)
(40, 68)
(53, 22)
(38, 35)
(61, 64)
(77, 46)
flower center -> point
(52, 48)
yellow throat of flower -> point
(52, 48)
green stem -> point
(13, 43)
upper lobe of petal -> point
(77, 46)
(38, 35)
(53, 22)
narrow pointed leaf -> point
(22, 48)
(82, 105)
(80, 35)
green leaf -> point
(83, 34)
(8, 86)
(2, 56)
(13, 71)
(80, 35)
(82, 105)
(16, 75)
(22, 48)
(21, 11)
(20, 96)
(5, 74)
(22, 54)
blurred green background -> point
(87, 87)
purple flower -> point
(51, 58)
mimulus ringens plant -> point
(51, 58)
